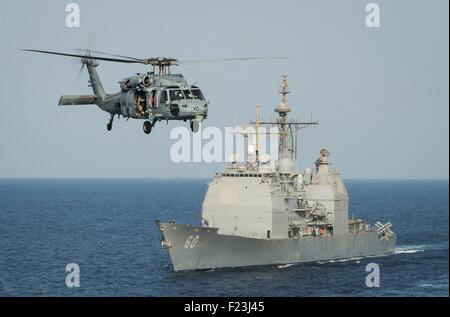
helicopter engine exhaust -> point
(146, 81)
(142, 80)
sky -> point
(381, 94)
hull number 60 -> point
(191, 242)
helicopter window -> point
(197, 94)
(188, 94)
(162, 97)
(176, 95)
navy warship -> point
(256, 213)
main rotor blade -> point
(117, 60)
(154, 60)
(237, 59)
(110, 54)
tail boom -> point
(94, 79)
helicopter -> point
(153, 96)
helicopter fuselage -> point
(151, 97)
(156, 98)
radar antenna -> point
(287, 128)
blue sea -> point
(107, 227)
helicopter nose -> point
(199, 107)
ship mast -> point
(258, 120)
(287, 128)
(284, 129)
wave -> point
(431, 285)
(350, 259)
(284, 266)
(356, 259)
(401, 249)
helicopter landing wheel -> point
(110, 122)
(195, 125)
(147, 127)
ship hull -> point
(197, 248)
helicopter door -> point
(162, 98)
(140, 102)
(176, 97)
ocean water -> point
(107, 227)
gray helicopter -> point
(153, 96)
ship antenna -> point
(257, 122)
(282, 111)
(283, 108)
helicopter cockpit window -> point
(188, 94)
(176, 95)
(197, 94)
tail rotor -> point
(90, 43)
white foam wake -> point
(285, 266)
(419, 248)
(433, 285)
(341, 260)
(401, 249)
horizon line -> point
(194, 178)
